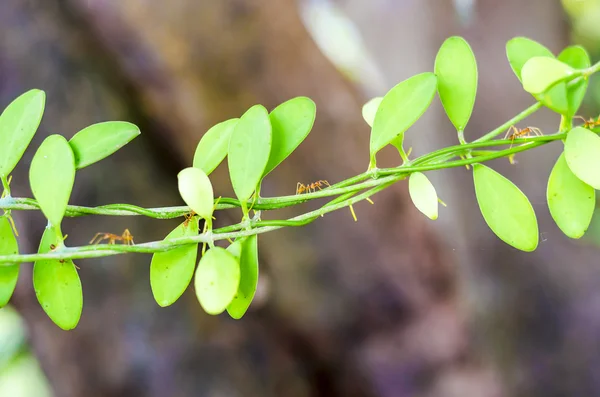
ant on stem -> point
(521, 133)
(310, 187)
(126, 238)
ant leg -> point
(299, 188)
(93, 241)
(510, 129)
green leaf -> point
(423, 195)
(100, 140)
(196, 190)
(217, 280)
(571, 201)
(249, 149)
(18, 124)
(505, 208)
(456, 71)
(541, 73)
(521, 49)
(582, 152)
(172, 271)
(578, 58)
(213, 146)
(57, 285)
(51, 176)
(291, 122)
(248, 257)
(9, 272)
(400, 108)
(369, 110)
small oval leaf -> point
(423, 195)
(369, 110)
(582, 152)
(249, 150)
(18, 124)
(541, 73)
(100, 140)
(51, 175)
(196, 190)
(9, 272)
(248, 257)
(521, 49)
(578, 58)
(172, 271)
(571, 201)
(291, 122)
(217, 280)
(400, 108)
(213, 146)
(505, 208)
(57, 285)
(456, 71)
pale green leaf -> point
(505, 208)
(521, 49)
(217, 280)
(18, 124)
(456, 71)
(249, 150)
(57, 285)
(51, 176)
(100, 140)
(9, 272)
(171, 271)
(582, 152)
(213, 146)
(196, 190)
(571, 201)
(541, 73)
(291, 122)
(578, 58)
(423, 195)
(369, 110)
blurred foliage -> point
(20, 373)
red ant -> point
(310, 187)
(126, 238)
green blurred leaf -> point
(196, 190)
(18, 124)
(217, 280)
(505, 208)
(213, 146)
(571, 201)
(521, 49)
(541, 73)
(249, 150)
(248, 257)
(57, 285)
(582, 152)
(9, 272)
(456, 71)
(172, 271)
(369, 110)
(578, 58)
(100, 140)
(400, 108)
(51, 176)
(291, 122)
(423, 195)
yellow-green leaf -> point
(213, 146)
(369, 110)
(217, 280)
(248, 258)
(423, 195)
(57, 285)
(582, 152)
(196, 190)
(541, 73)
(505, 209)
(9, 272)
(571, 201)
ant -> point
(126, 237)
(520, 133)
(310, 187)
(589, 123)
(188, 218)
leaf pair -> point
(544, 76)
(226, 279)
(256, 143)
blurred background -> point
(394, 305)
